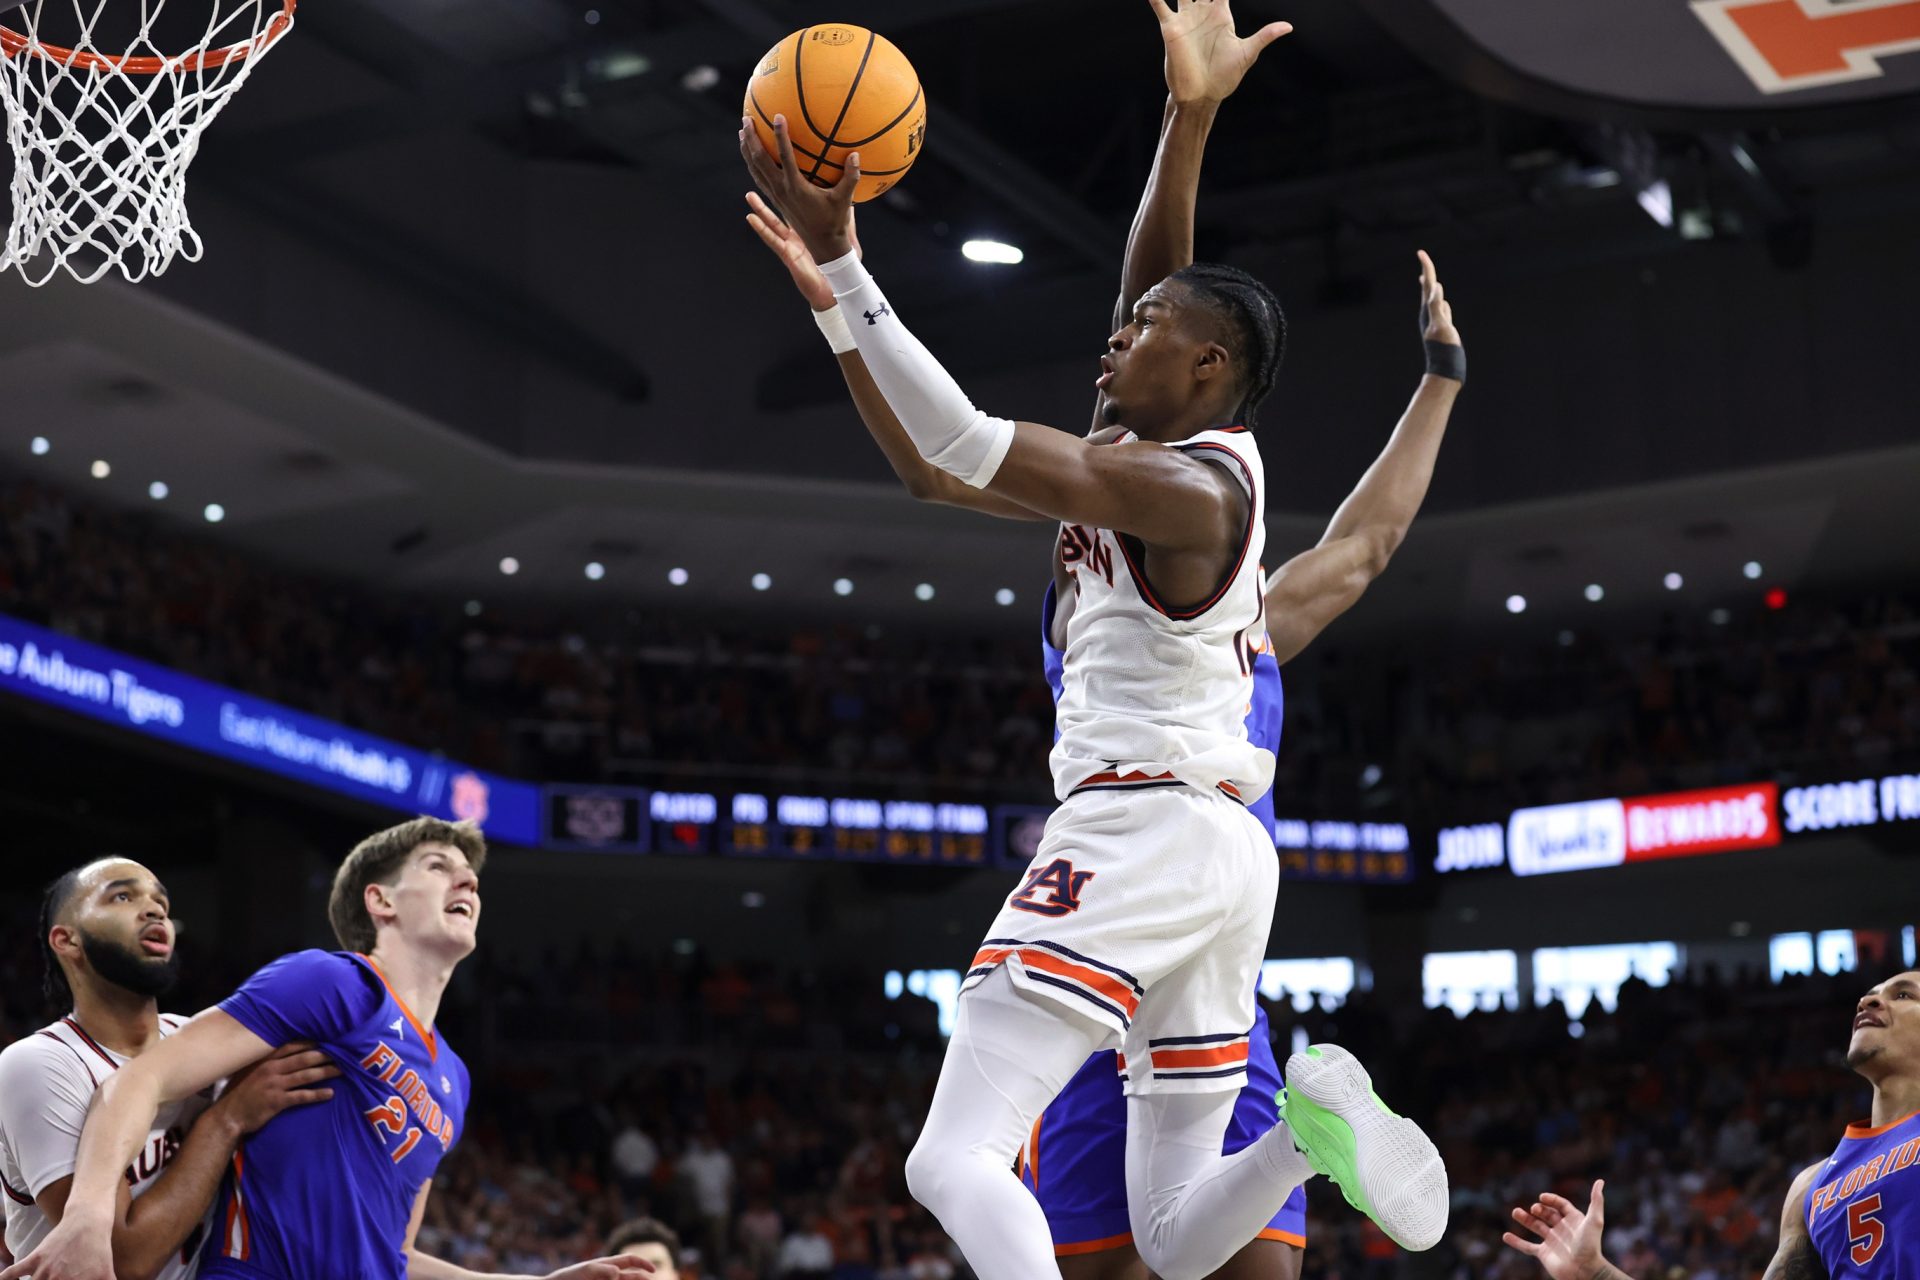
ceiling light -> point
(700, 79)
(923, 592)
(1720, 617)
(1752, 569)
(100, 469)
(39, 446)
(596, 571)
(1003, 597)
(1657, 199)
(1516, 604)
(761, 582)
(1674, 581)
(992, 251)
(509, 566)
(1595, 592)
(1566, 639)
(158, 490)
(843, 586)
(215, 513)
(473, 608)
(678, 577)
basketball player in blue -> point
(1853, 1216)
(336, 1189)
(1074, 1159)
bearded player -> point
(1145, 916)
(107, 940)
(337, 1189)
(1855, 1214)
(1074, 1158)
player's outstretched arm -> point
(80, 1247)
(1568, 1244)
(1158, 494)
(1205, 62)
(923, 480)
(423, 1266)
(1308, 592)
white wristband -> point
(833, 323)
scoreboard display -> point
(854, 830)
(597, 819)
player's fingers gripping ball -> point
(842, 89)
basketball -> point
(842, 89)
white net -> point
(103, 126)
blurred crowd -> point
(774, 1145)
(1448, 732)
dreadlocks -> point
(1255, 326)
(53, 904)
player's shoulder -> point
(314, 964)
(40, 1056)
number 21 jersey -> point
(327, 1190)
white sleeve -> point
(44, 1096)
(942, 422)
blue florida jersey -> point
(1863, 1212)
(1264, 712)
(326, 1191)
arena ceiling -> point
(477, 286)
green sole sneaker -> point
(1385, 1166)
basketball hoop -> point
(102, 131)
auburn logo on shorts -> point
(1062, 883)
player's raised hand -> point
(786, 246)
(1568, 1247)
(76, 1249)
(1436, 313)
(1206, 58)
(623, 1267)
(290, 1077)
(821, 216)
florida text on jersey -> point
(328, 1190)
(1863, 1211)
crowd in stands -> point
(774, 1145)
(1450, 732)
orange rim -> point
(13, 44)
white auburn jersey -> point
(47, 1082)
(1152, 692)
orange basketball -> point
(842, 88)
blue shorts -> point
(1076, 1158)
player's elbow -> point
(1377, 546)
(924, 483)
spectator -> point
(652, 1240)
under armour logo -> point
(873, 317)
(398, 1027)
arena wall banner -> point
(1591, 834)
(147, 699)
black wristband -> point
(1447, 360)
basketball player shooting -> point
(1146, 917)
(339, 1188)
(1853, 1216)
(1074, 1159)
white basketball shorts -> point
(1148, 910)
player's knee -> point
(928, 1175)
(1163, 1260)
